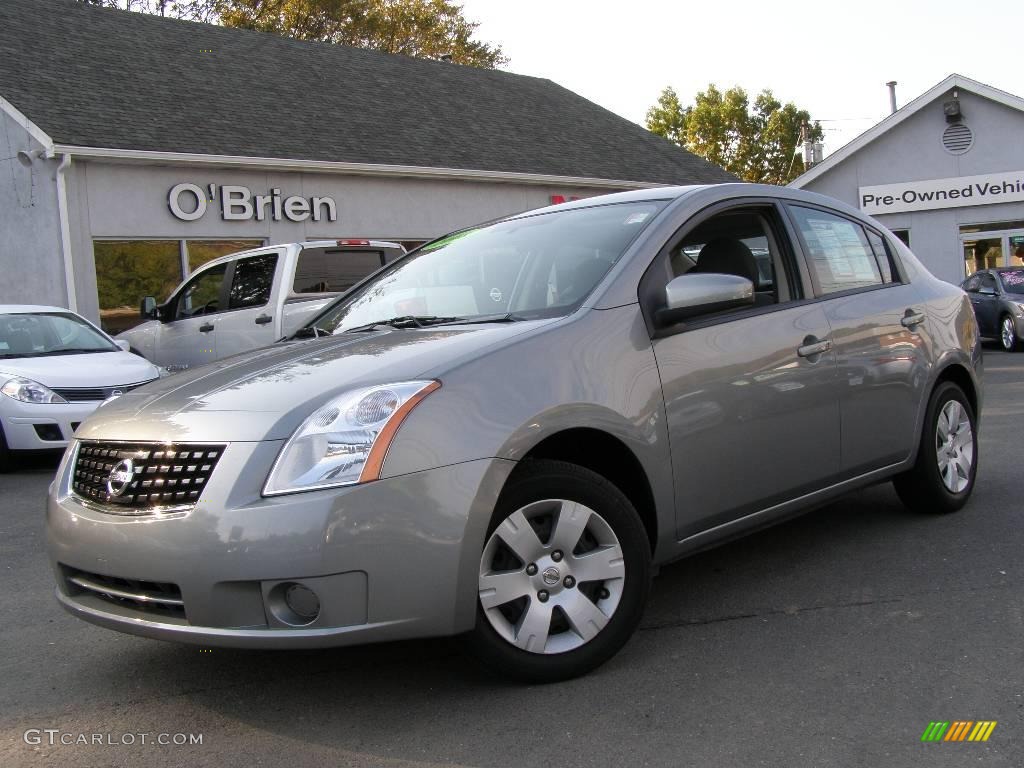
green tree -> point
(756, 142)
(427, 29)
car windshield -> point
(49, 333)
(539, 266)
(1013, 280)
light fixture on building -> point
(26, 158)
(951, 109)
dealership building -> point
(135, 148)
(945, 173)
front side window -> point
(838, 252)
(538, 266)
(736, 243)
(988, 282)
(46, 334)
(201, 294)
(253, 281)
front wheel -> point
(5, 453)
(1008, 334)
(564, 574)
(942, 478)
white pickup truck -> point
(251, 299)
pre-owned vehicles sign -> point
(943, 193)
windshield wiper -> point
(420, 321)
(70, 351)
(310, 332)
(507, 317)
(405, 321)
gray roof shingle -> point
(98, 77)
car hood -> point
(265, 395)
(97, 369)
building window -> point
(128, 270)
(903, 235)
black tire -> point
(922, 488)
(1014, 343)
(6, 462)
(533, 482)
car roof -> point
(725, 191)
(24, 309)
(334, 244)
(301, 244)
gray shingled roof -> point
(106, 78)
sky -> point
(832, 59)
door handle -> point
(812, 347)
(911, 318)
(263, 319)
(205, 327)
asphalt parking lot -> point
(831, 640)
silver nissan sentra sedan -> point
(507, 431)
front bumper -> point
(20, 420)
(396, 558)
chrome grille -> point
(147, 596)
(90, 394)
(148, 476)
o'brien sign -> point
(943, 193)
(189, 202)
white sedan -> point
(55, 369)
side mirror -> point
(123, 345)
(691, 295)
(147, 308)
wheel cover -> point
(954, 446)
(566, 551)
(1009, 333)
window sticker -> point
(1013, 278)
(637, 218)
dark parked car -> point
(997, 296)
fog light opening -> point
(295, 604)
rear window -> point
(333, 270)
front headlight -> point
(28, 391)
(1020, 306)
(345, 440)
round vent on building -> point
(957, 138)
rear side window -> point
(253, 281)
(883, 256)
(838, 252)
(333, 270)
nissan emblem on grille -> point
(120, 477)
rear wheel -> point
(942, 478)
(563, 577)
(1008, 334)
